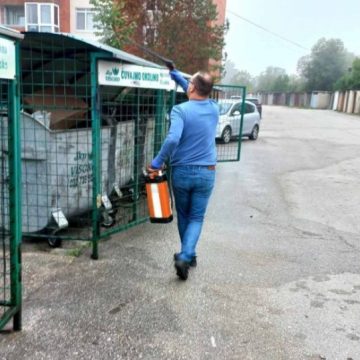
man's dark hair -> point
(203, 83)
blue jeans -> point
(192, 186)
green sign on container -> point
(7, 59)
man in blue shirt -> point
(190, 146)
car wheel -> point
(255, 133)
(226, 135)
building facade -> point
(30, 15)
(81, 19)
(221, 8)
(76, 17)
(71, 16)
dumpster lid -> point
(92, 46)
(10, 32)
(116, 53)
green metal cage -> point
(92, 118)
(87, 139)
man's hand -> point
(150, 170)
(170, 65)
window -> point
(249, 108)
(15, 15)
(151, 5)
(42, 17)
(224, 107)
(236, 107)
(85, 19)
(151, 34)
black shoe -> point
(192, 263)
(182, 269)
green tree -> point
(230, 71)
(186, 32)
(243, 78)
(182, 30)
(326, 64)
(296, 83)
(350, 81)
(273, 79)
(112, 22)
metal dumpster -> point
(58, 169)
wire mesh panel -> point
(85, 145)
(5, 293)
(137, 123)
(56, 138)
(10, 233)
(231, 100)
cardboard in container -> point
(65, 108)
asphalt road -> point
(278, 273)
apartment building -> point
(72, 16)
(76, 17)
(221, 8)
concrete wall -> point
(320, 100)
(279, 99)
(347, 101)
(335, 100)
(271, 99)
(344, 101)
(357, 103)
(351, 102)
(341, 100)
(289, 99)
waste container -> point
(58, 170)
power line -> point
(267, 30)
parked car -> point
(257, 103)
(254, 100)
(230, 117)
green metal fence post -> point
(241, 121)
(96, 151)
(15, 193)
(136, 156)
(95, 126)
(159, 121)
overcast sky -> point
(302, 21)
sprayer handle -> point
(170, 65)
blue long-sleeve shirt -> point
(179, 79)
(191, 137)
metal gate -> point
(137, 123)
(137, 118)
(231, 100)
(10, 175)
